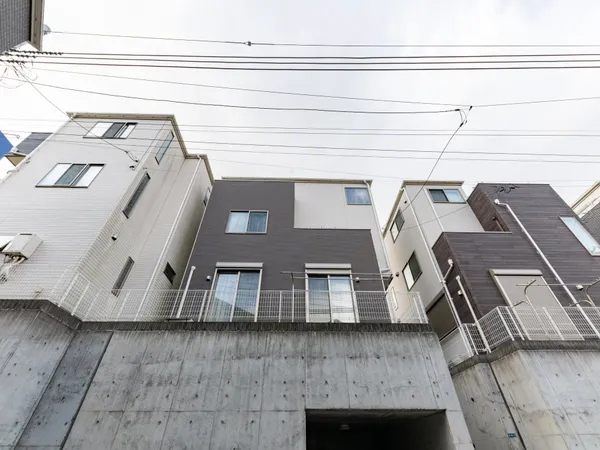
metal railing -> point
(31, 281)
(522, 322)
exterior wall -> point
(323, 205)
(15, 23)
(552, 397)
(591, 218)
(283, 247)
(241, 389)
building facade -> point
(21, 21)
(511, 271)
(107, 203)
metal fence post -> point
(512, 338)
(280, 295)
(185, 291)
(202, 306)
(562, 338)
(80, 299)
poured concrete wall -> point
(249, 390)
(550, 397)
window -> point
(582, 235)
(169, 273)
(71, 175)
(357, 196)
(136, 195)
(234, 296)
(111, 130)
(207, 195)
(446, 196)
(412, 271)
(247, 222)
(330, 298)
(397, 225)
(512, 284)
(441, 318)
(116, 290)
(164, 146)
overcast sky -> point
(348, 22)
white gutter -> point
(169, 238)
(379, 234)
(554, 272)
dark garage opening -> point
(350, 430)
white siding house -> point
(86, 236)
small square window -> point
(71, 175)
(169, 273)
(412, 271)
(446, 196)
(247, 222)
(357, 196)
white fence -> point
(76, 294)
(523, 322)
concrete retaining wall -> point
(550, 397)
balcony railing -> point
(76, 294)
(504, 324)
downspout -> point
(556, 275)
(441, 278)
(380, 235)
(169, 238)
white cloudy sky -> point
(312, 21)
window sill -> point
(245, 232)
(452, 203)
(62, 187)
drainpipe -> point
(556, 275)
(169, 237)
(385, 253)
(441, 278)
(477, 324)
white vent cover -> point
(23, 244)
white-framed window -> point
(357, 196)
(234, 295)
(164, 146)
(397, 225)
(71, 175)
(582, 235)
(122, 278)
(136, 195)
(111, 130)
(412, 271)
(247, 222)
(330, 297)
(446, 196)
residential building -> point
(507, 276)
(108, 202)
(281, 336)
(21, 21)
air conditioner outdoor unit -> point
(23, 244)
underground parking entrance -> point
(377, 429)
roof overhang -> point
(37, 24)
(300, 180)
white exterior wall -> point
(418, 209)
(323, 205)
(76, 225)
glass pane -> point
(223, 297)
(410, 281)
(99, 129)
(342, 306)
(136, 195)
(126, 131)
(69, 176)
(582, 234)
(414, 266)
(89, 175)
(238, 222)
(54, 175)
(357, 196)
(318, 299)
(113, 130)
(163, 148)
(122, 277)
(394, 231)
(247, 292)
(257, 222)
(454, 195)
(438, 195)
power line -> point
(220, 105)
(293, 44)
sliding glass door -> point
(330, 298)
(234, 296)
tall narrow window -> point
(247, 222)
(136, 195)
(357, 196)
(164, 146)
(582, 235)
(169, 273)
(397, 225)
(111, 130)
(330, 298)
(71, 175)
(412, 271)
(122, 277)
(234, 297)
